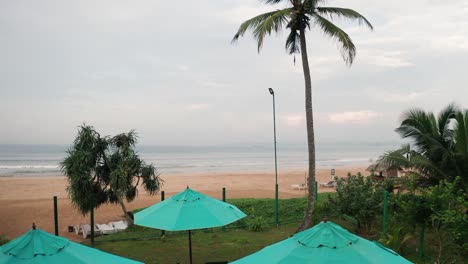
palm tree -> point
(103, 170)
(439, 145)
(299, 16)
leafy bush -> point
(450, 211)
(396, 239)
(358, 197)
(443, 207)
(3, 240)
(255, 222)
(412, 209)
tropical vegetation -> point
(106, 169)
(242, 238)
(437, 148)
(298, 17)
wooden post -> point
(190, 245)
(162, 199)
(56, 216)
(92, 220)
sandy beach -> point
(24, 200)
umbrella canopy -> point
(326, 242)
(40, 247)
(188, 210)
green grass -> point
(206, 245)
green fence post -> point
(421, 241)
(224, 200)
(92, 219)
(276, 206)
(385, 213)
(162, 199)
(56, 216)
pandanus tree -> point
(106, 170)
(298, 17)
(438, 148)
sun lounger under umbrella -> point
(37, 247)
(326, 242)
(188, 210)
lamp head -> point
(271, 91)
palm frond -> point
(445, 119)
(263, 25)
(427, 167)
(308, 4)
(273, 2)
(461, 144)
(420, 127)
(393, 158)
(348, 50)
(293, 42)
(347, 13)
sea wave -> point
(10, 167)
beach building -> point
(381, 170)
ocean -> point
(44, 160)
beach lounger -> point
(119, 225)
(78, 229)
(105, 229)
(299, 186)
(328, 184)
(86, 229)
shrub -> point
(255, 222)
(3, 240)
(357, 197)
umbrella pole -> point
(190, 244)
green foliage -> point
(443, 207)
(438, 149)
(358, 197)
(387, 184)
(106, 169)
(412, 209)
(396, 239)
(298, 17)
(3, 240)
(256, 222)
(450, 207)
(235, 241)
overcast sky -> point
(168, 69)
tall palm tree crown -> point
(299, 16)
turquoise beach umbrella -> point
(40, 247)
(188, 210)
(326, 242)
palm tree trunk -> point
(307, 222)
(124, 209)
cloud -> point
(405, 97)
(241, 13)
(197, 107)
(392, 60)
(454, 43)
(385, 58)
(294, 119)
(359, 117)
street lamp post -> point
(276, 162)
